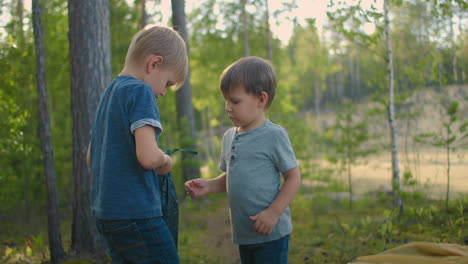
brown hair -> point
(162, 41)
(255, 74)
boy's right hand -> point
(167, 167)
(197, 187)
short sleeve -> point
(222, 159)
(143, 109)
(283, 153)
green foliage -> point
(350, 139)
(452, 136)
(343, 61)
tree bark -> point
(391, 112)
(245, 26)
(55, 238)
(268, 31)
(185, 112)
(90, 65)
(143, 18)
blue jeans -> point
(141, 241)
(273, 252)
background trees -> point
(90, 70)
(318, 69)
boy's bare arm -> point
(88, 156)
(217, 184)
(291, 184)
(200, 187)
(266, 220)
(149, 155)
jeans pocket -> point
(126, 240)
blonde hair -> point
(161, 41)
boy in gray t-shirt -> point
(255, 153)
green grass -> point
(325, 230)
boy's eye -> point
(169, 84)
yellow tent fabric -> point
(419, 253)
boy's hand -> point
(265, 221)
(196, 187)
(167, 167)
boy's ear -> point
(153, 61)
(263, 99)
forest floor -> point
(369, 181)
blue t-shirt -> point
(253, 162)
(121, 187)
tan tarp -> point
(419, 253)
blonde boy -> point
(123, 153)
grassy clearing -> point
(325, 231)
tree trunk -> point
(268, 31)
(449, 135)
(185, 112)
(143, 18)
(454, 52)
(90, 65)
(317, 100)
(245, 26)
(391, 113)
(358, 78)
(351, 78)
(55, 238)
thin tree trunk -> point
(358, 77)
(351, 78)
(20, 13)
(449, 135)
(245, 26)
(340, 83)
(350, 183)
(90, 65)
(55, 238)
(185, 112)
(391, 113)
(24, 170)
(454, 55)
(268, 31)
(142, 7)
(317, 100)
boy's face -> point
(159, 78)
(245, 110)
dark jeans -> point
(273, 252)
(141, 241)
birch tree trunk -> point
(91, 72)
(185, 112)
(396, 184)
(53, 223)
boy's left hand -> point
(265, 221)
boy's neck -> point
(255, 124)
(132, 72)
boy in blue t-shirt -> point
(255, 152)
(123, 153)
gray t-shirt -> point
(253, 162)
